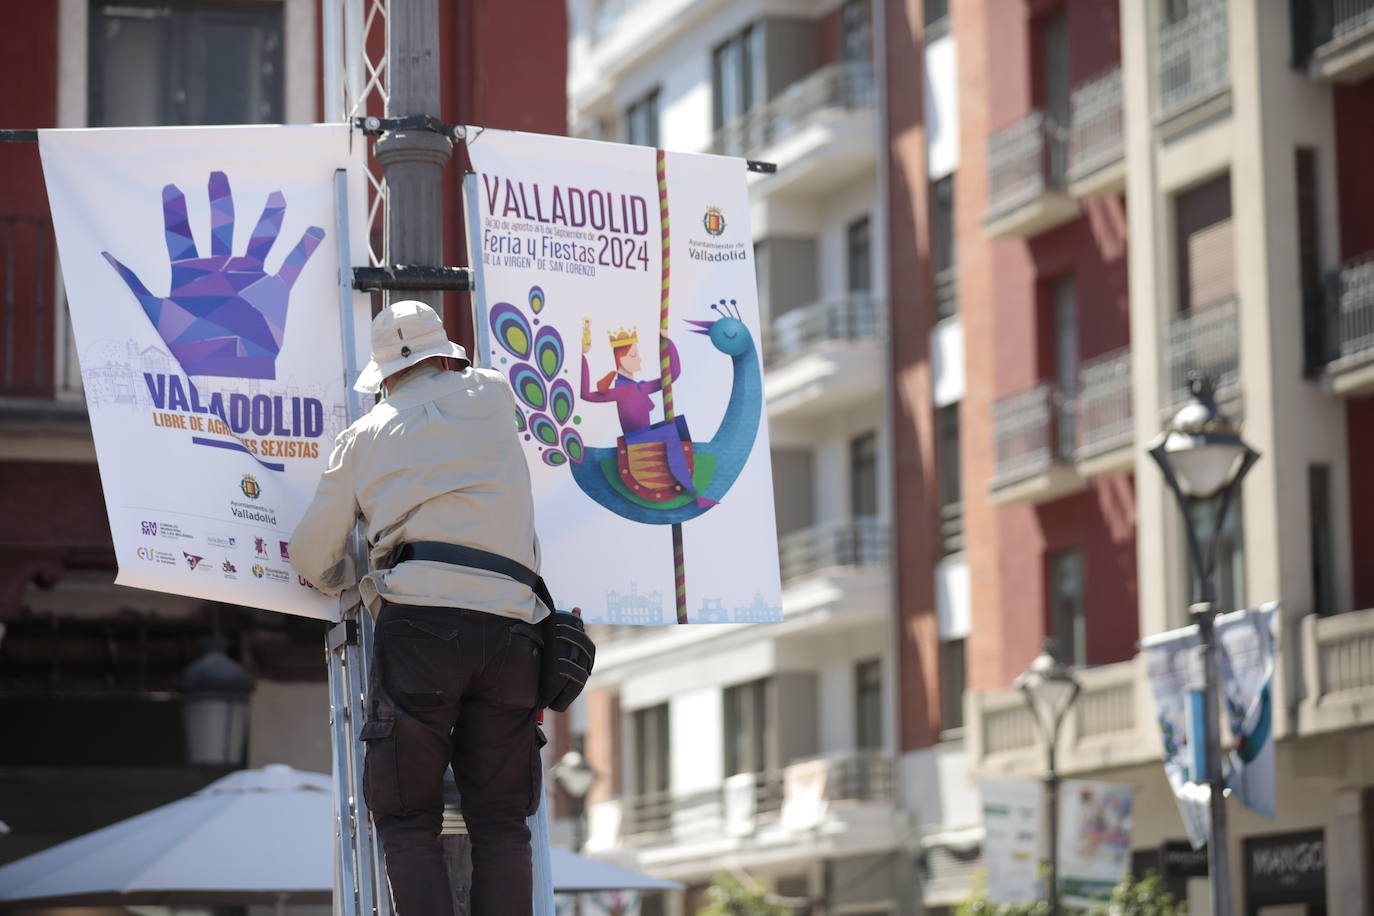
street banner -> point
(1094, 840)
(1012, 838)
(1245, 663)
(1169, 660)
(618, 296)
(201, 268)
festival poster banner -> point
(1094, 840)
(1245, 663)
(1011, 843)
(1245, 658)
(202, 277)
(1169, 662)
(650, 462)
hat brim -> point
(370, 379)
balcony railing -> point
(862, 777)
(1350, 311)
(1033, 430)
(852, 543)
(1096, 126)
(28, 324)
(1322, 28)
(1338, 671)
(846, 85)
(854, 317)
(1192, 58)
(1105, 414)
(1205, 341)
(1025, 160)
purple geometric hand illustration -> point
(224, 315)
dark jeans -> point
(454, 687)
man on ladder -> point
(436, 473)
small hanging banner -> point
(621, 302)
(202, 276)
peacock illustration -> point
(632, 479)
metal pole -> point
(413, 167)
(1052, 791)
(579, 838)
(1218, 850)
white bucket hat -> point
(403, 334)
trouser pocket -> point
(381, 768)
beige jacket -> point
(438, 460)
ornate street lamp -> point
(1050, 689)
(1203, 459)
(214, 704)
(576, 776)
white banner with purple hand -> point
(202, 277)
(622, 305)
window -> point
(868, 705)
(641, 121)
(953, 677)
(863, 475)
(1054, 90)
(942, 247)
(746, 728)
(178, 62)
(856, 31)
(735, 87)
(949, 488)
(651, 750)
(1065, 362)
(1319, 520)
(1067, 623)
(859, 256)
(1206, 245)
(1315, 350)
(935, 12)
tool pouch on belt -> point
(568, 651)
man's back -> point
(438, 460)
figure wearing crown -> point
(632, 399)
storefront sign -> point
(1285, 868)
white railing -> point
(853, 317)
(1350, 309)
(1205, 341)
(850, 543)
(1096, 126)
(1106, 418)
(1108, 711)
(1024, 160)
(1032, 429)
(1350, 18)
(846, 85)
(1192, 58)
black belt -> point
(458, 555)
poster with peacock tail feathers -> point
(617, 294)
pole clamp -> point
(374, 127)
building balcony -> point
(1338, 672)
(1192, 60)
(819, 131)
(1097, 137)
(42, 411)
(1112, 724)
(836, 802)
(1338, 36)
(1034, 433)
(1026, 173)
(1348, 335)
(834, 576)
(824, 356)
(1106, 415)
(1205, 341)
